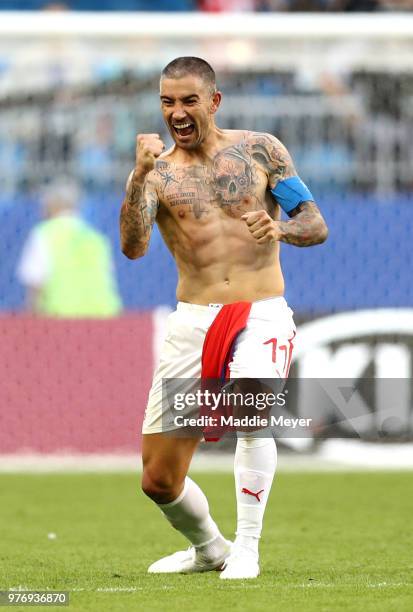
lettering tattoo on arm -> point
(306, 228)
(137, 215)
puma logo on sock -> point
(248, 492)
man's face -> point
(188, 106)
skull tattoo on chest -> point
(232, 176)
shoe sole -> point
(243, 578)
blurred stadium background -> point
(337, 88)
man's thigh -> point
(264, 349)
(180, 358)
(261, 360)
(167, 457)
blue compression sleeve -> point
(290, 192)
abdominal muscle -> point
(233, 285)
(222, 263)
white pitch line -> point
(220, 586)
(119, 589)
(226, 586)
(333, 457)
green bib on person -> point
(81, 282)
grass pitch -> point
(332, 541)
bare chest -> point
(231, 184)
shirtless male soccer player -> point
(216, 197)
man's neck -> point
(211, 144)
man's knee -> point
(160, 486)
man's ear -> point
(216, 101)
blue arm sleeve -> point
(290, 192)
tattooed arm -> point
(307, 226)
(140, 206)
(137, 215)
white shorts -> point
(262, 350)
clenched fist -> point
(262, 227)
(148, 148)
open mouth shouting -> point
(183, 129)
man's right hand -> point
(148, 148)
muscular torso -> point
(199, 216)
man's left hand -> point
(262, 227)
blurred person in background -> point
(55, 7)
(353, 6)
(95, 152)
(226, 6)
(66, 265)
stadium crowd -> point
(211, 5)
(90, 130)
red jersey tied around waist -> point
(217, 353)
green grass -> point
(332, 541)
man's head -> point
(189, 100)
(60, 196)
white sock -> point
(254, 469)
(189, 514)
